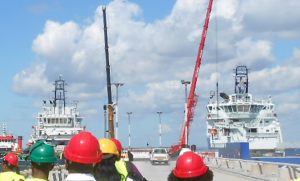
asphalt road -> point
(161, 172)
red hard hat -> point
(118, 144)
(12, 159)
(190, 165)
(83, 148)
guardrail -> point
(268, 171)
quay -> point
(223, 169)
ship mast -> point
(59, 95)
(241, 80)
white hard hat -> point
(183, 150)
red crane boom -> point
(192, 99)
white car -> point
(159, 155)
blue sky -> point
(153, 45)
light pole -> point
(185, 83)
(105, 121)
(129, 141)
(117, 106)
(159, 117)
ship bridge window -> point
(240, 108)
(246, 108)
(229, 108)
(225, 108)
(234, 108)
(252, 130)
(209, 108)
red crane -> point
(193, 98)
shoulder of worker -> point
(80, 177)
(11, 176)
(35, 179)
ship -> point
(239, 118)
(57, 122)
(8, 142)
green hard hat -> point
(42, 152)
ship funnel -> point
(20, 143)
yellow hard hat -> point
(108, 146)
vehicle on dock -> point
(57, 123)
(159, 155)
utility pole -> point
(159, 118)
(129, 139)
(105, 120)
(117, 106)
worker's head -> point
(10, 161)
(82, 152)
(119, 145)
(107, 169)
(42, 157)
(83, 148)
(190, 166)
(42, 152)
(108, 148)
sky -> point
(152, 45)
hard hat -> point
(12, 159)
(118, 144)
(189, 164)
(184, 150)
(42, 152)
(83, 148)
(108, 146)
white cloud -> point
(32, 81)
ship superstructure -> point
(57, 122)
(240, 118)
(7, 141)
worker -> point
(82, 155)
(131, 169)
(190, 167)
(107, 169)
(10, 168)
(43, 158)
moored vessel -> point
(57, 122)
(239, 117)
(8, 142)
